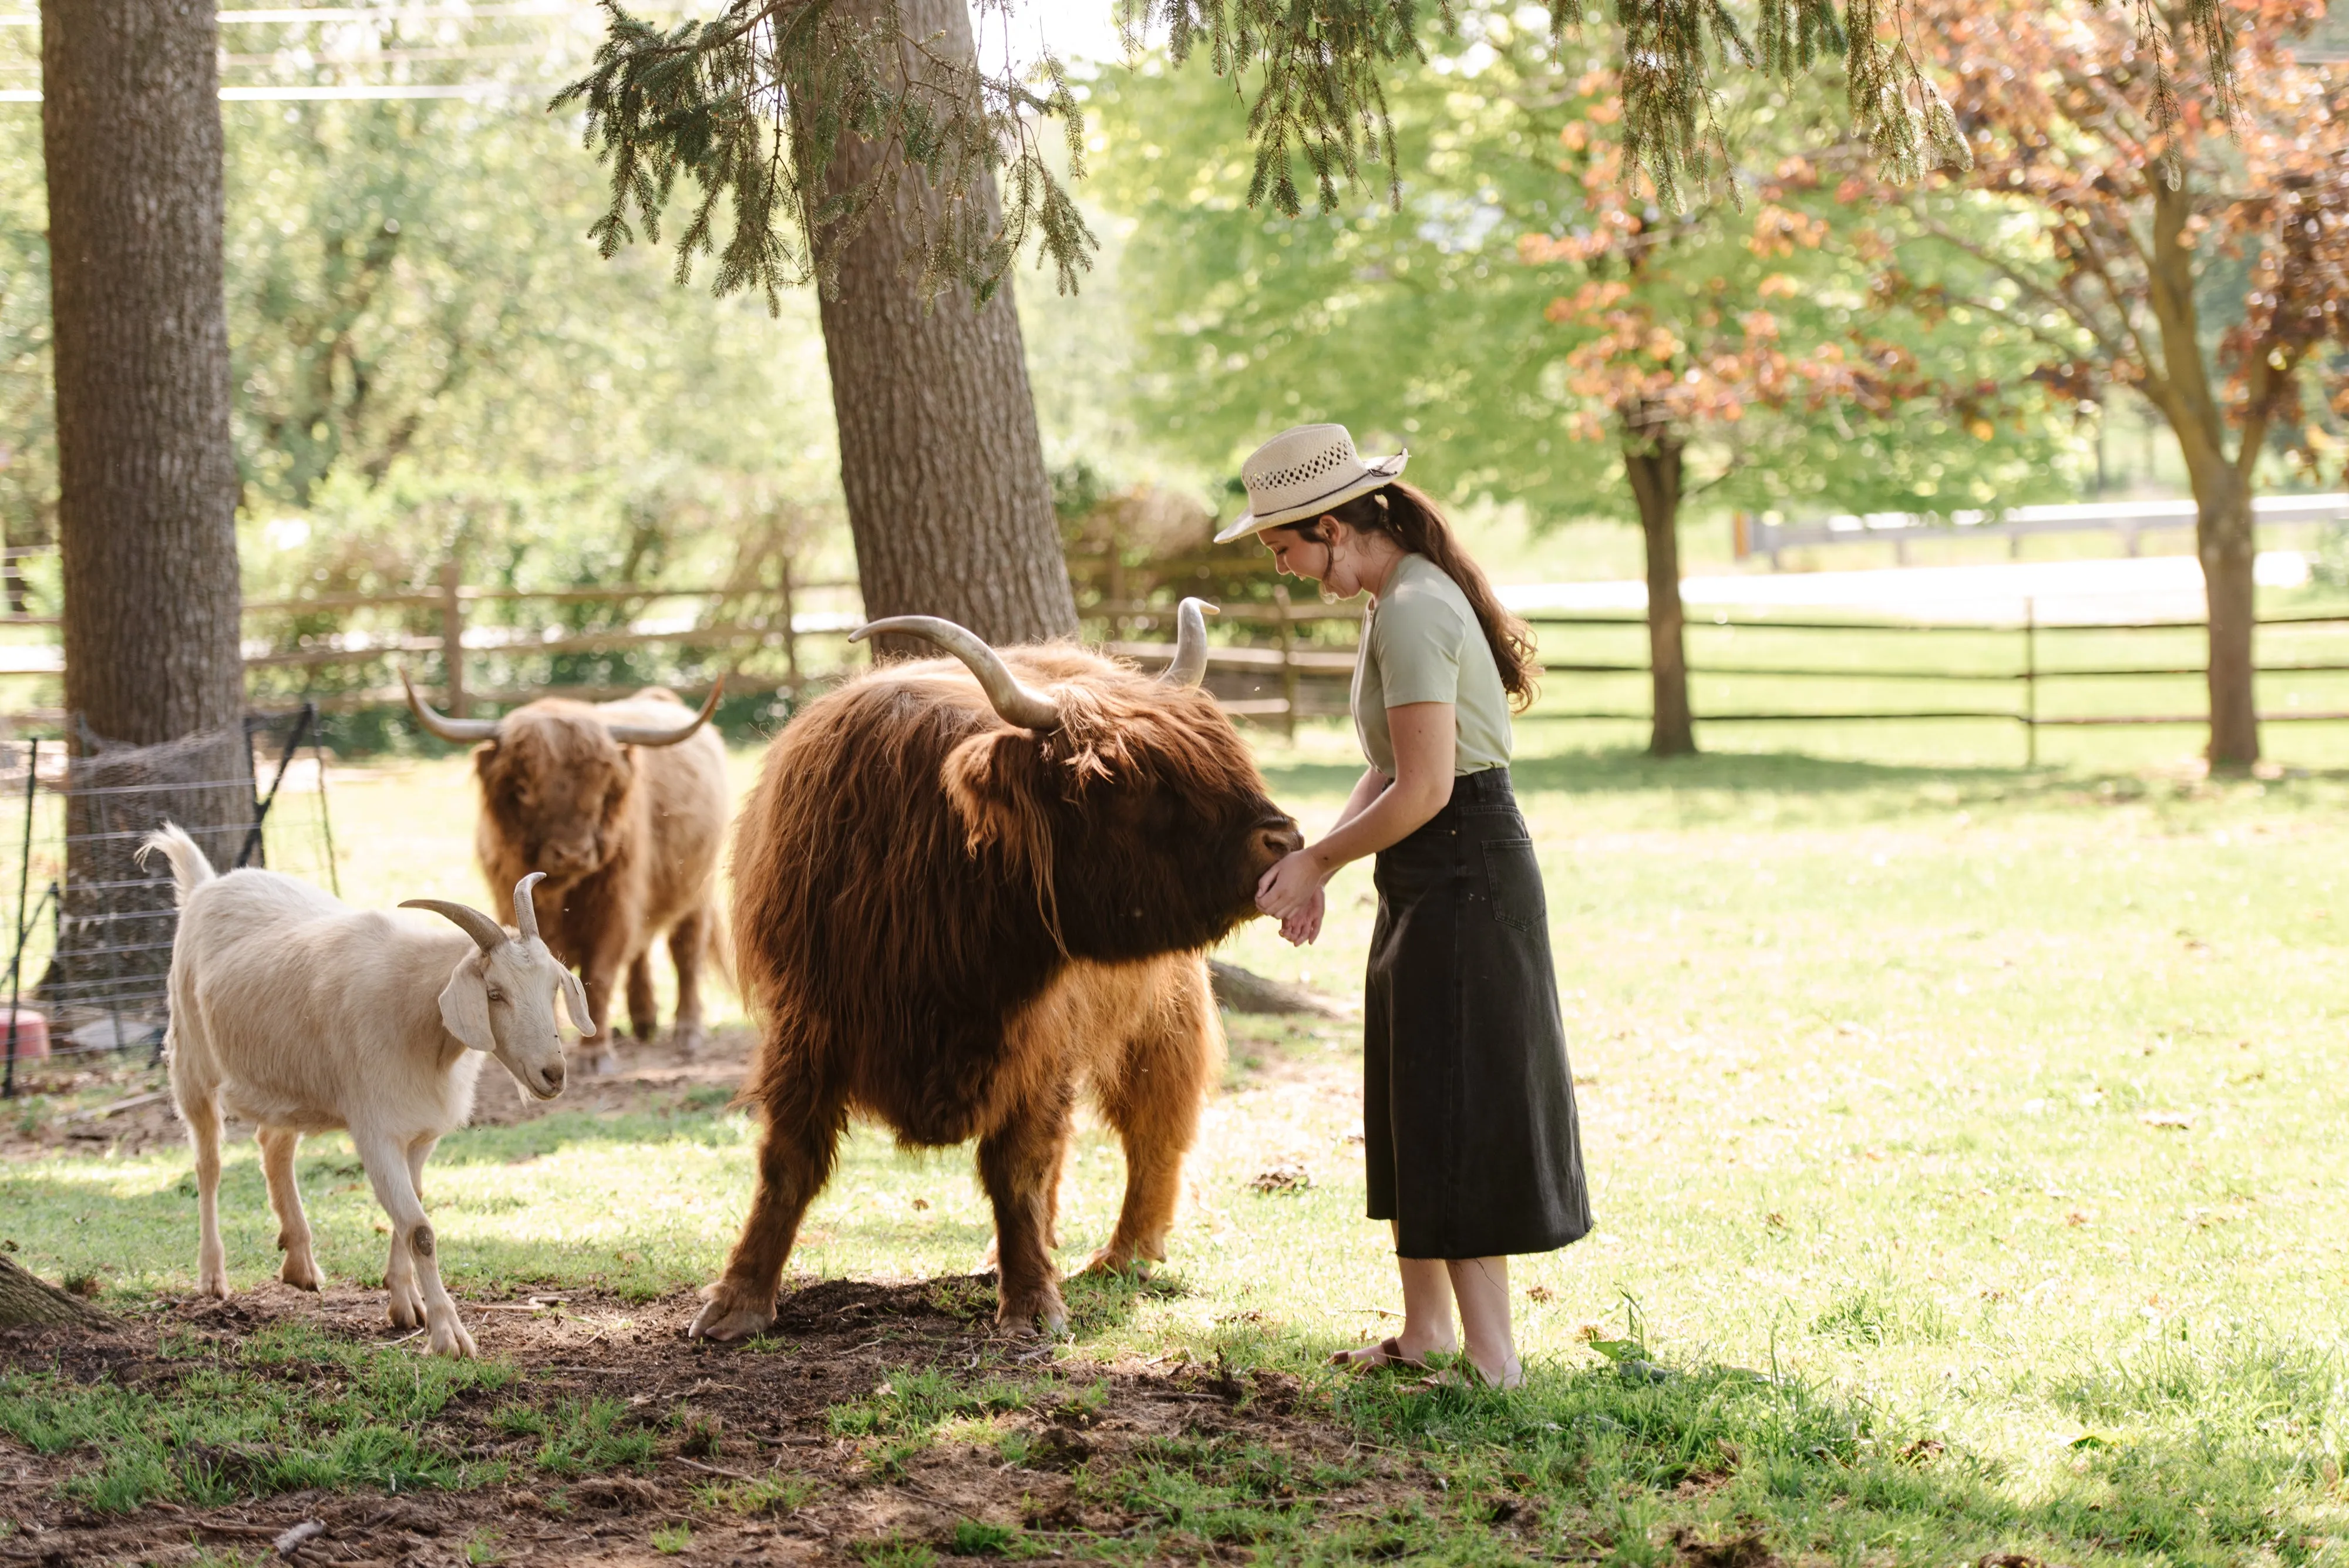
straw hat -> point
(1303, 473)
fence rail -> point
(2129, 520)
(1284, 663)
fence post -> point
(1287, 661)
(2031, 681)
(24, 883)
(452, 636)
(1116, 593)
(791, 631)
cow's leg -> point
(1015, 1162)
(796, 1155)
(300, 1269)
(643, 1018)
(688, 940)
(597, 975)
(1153, 1103)
(388, 1170)
(202, 1113)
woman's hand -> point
(1300, 930)
(1291, 892)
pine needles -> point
(752, 107)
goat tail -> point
(190, 870)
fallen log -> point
(1242, 990)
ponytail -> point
(1406, 514)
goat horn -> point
(644, 735)
(525, 911)
(1016, 703)
(1189, 665)
(487, 933)
(456, 732)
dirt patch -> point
(822, 1442)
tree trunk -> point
(147, 476)
(2224, 537)
(940, 456)
(26, 1298)
(1652, 461)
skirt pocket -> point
(1514, 877)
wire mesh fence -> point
(91, 926)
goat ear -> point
(575, 1002)
(465, 1005)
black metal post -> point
(262, 804)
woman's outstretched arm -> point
(1378, 814)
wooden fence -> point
(1275, 661)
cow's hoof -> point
(727, 1317)
(689, 1039)
(1043, 1314)
(1114, 1262)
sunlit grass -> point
(1993, 1116)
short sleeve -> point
(1419, 639)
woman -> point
(1468, 1116)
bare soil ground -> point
(718, 1417)
(753, 1412)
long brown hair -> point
(1406, 514)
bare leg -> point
(300, 1269)
(386, 1169)
(1481, 1285)
(1014, 1162)
(644, 1019)
(1154, 1107)
(688, 940)
(204, 1119)
(795, 1154)
(1427, 1325)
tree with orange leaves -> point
(1746, 345)
(2149, 247)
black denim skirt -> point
(1469, 1118)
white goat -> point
(301, 1014)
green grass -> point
(1968, 1138)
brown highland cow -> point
(959, 901)
(622, 805)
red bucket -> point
(32, 1032)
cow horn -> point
(1016, 703)
(1189, 665)
(456, 732)
(645, 735)
(526, 912)
(487, 933)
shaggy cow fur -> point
(628, 837)
(953, 925)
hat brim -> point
(1377, 472)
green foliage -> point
(752, 104)
(1424, 327)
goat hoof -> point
(727, 1318)
(451, 1339)
(302, 1274)
(216, 1288)
(405, 1310)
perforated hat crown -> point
(1302, 473)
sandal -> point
(1389, 1357)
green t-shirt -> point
(1422, 644)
